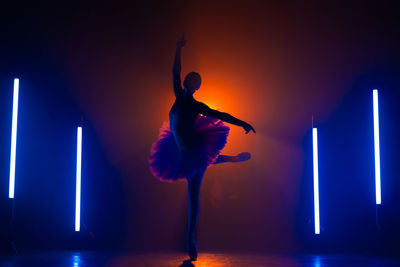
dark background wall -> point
(274, 65)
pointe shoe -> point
(192, 249)
(244, 156)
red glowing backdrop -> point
(271, 65)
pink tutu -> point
(169, 162)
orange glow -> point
(217, 96)
(204, 260)
(215, 260)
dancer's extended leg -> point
(238, 158)
(194, 183)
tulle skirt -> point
(170, 162)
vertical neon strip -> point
(13, 138)
(77, 260)
(377, 153)
(78, 180)
(316, 193)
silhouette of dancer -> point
(191, 142)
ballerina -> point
(191, 142)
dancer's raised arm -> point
(207, 111)
(176, 69)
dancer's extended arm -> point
(206, 111)
(176, 69)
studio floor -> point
(79, 259)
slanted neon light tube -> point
(13, 138)
(377, 153)
(316, 193)
(78, 180)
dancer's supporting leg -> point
(238, 158)
(194, 184)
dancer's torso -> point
(182, 117)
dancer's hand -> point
(247, 127)
(181, 41)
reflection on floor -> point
(83, 259)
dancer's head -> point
(192, 82)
